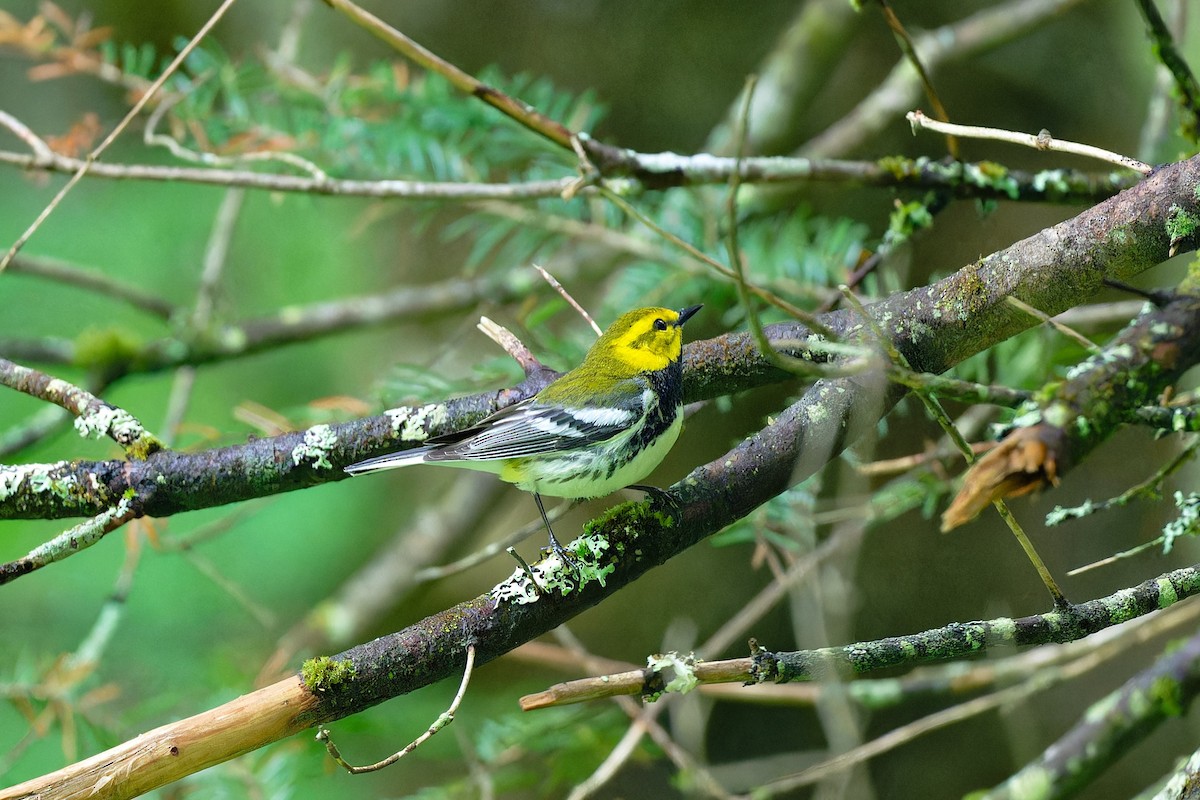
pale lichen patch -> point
(318, 440)
(413, 424)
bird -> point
(598, 428)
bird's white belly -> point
(585, 474)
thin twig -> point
(415, 190)
(1187, 89)
(644, 721)
(558, 287)
(910, 53)
(621, 752)
(62, 272)
(510, 344)
(441, 722)
(215, 256)
(37, 144)
(116, 131)
(154, 139)
(987, 29)
(484, 553)
(1042, 141)
(894, 466)
(814, 324)
(1057, 324)
(731, 236)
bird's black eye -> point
(660, 324)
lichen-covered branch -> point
(630, 540)
(985, 180)
(70, 542)
(963, 639)
(952, 642)
(1110, 728)
(1071, 418)
(93, 416)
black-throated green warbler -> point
(603, 426)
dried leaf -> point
(79, 138)
(1024, 462)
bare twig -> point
(54, 270)
(1041, 141)
(982, 31)
(441, 722)
(510, 344)
(215, 254)
(558, 287)
(939, 415)
(37, 144)
(914, 58)
(797, 313)
(520, 112)
(1056, 323)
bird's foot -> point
(568, 561)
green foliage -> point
(541, 754)
(1024, 361)
(785, 521)
(378, 123)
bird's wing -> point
(532, 428)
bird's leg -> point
(558, 549)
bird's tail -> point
(389, 461)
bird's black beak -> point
(686, 313)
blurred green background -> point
(667, 73)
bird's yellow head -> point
(644, 340)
